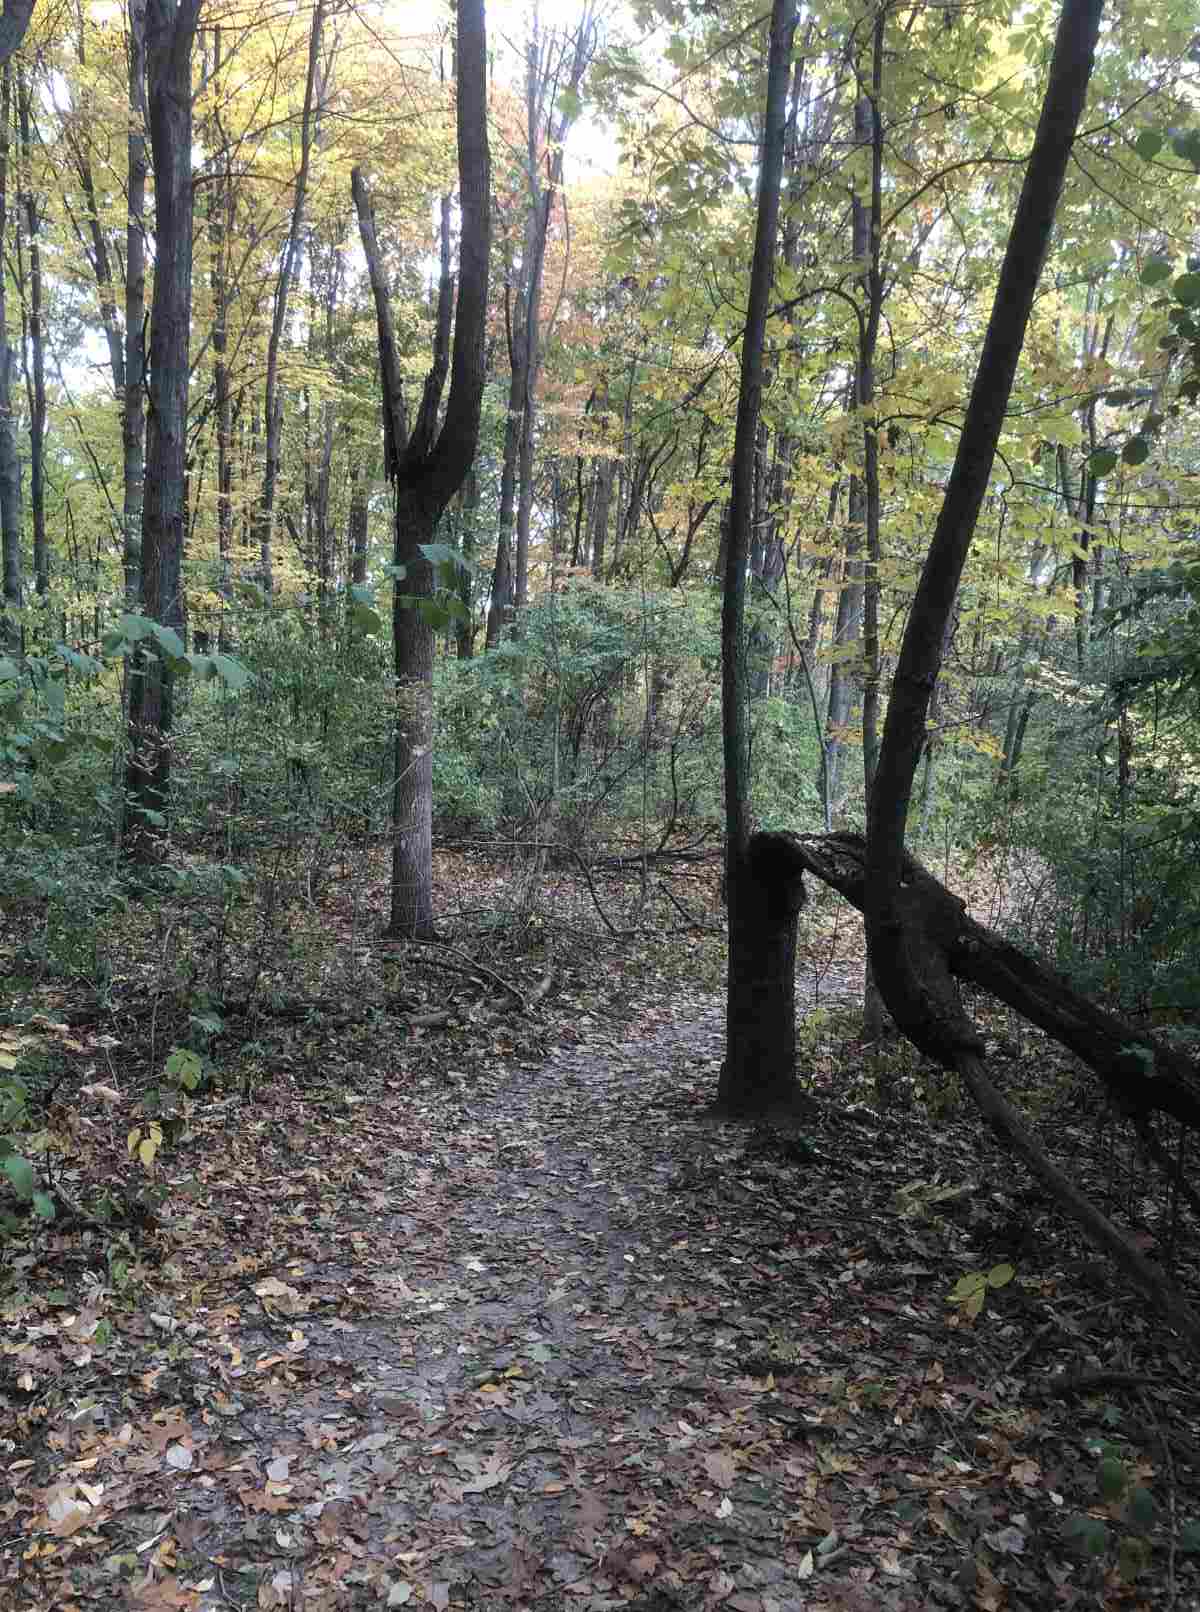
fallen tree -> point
(944, 946)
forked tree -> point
(427, 466)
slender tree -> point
(35, 365)
(911, 963)
(10, 460)
(170, 35)
(273, 401)
(133, 401)
(428, 466)
(763, 887)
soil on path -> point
(558, 1341)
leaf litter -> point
(537, 1333)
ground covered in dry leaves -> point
(492, 1314)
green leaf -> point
(1155, 270)
(133, 628)
(1141, 1506)
(1102, 462)
(1136, 451)
(1189, 1537)
(443, 554)
(1088, 1533)
(972, 1282)
(168, 640)
(1186, 289)
(20, 1172)
(43, 1206)
(1186, 144)
(1148, 144)
(1000, 1275)
(1112, 1478)
(231, 672)
(186, 1067)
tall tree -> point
(35, 364)
(273, 401)
(170, 35)
(14, 22)
(10, 460)
(910, 965)
(133, 401)
(428, 468)
(554, 67)
(763, 887)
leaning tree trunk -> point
(763, 888)
(918, 991)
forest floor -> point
(495, 1315)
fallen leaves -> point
(545, 1336)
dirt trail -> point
(538, 1388)
(551, 1340)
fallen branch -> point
(943, 945)
(468, 965)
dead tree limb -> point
(944, 946)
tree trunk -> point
(220, 232)
(909, 947)
(500, 605)
(1144, 1076)
(11, 523)
(762, 883)
(170, 33)
(36, 369)
(429, 468)
(357, 527)
(133, 403)
(464, 626)
(273, 404)
(940, 1023)
(14, 20)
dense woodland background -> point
(368, 392)
(201, 531)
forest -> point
(599, 804)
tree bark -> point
(14, 20)
(763, 898)
(170, 34)
(938, 1024)
(1142, 1075)
(35, 375)
(427, 470)
(11, 523)
(273, 405)
(220, 234)
(765, 892)
(133, 402)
